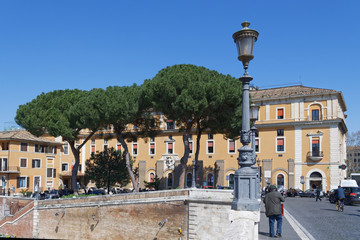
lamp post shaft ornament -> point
(246, 189)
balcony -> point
(315, 155)
(11, 169)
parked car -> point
(352, 195)
(307, 193)
(292, 192)
(53, 194)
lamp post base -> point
(246, 190)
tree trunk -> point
(128, 165)
(74, 171)
(185, 157)
(76, 153)
(198, 137)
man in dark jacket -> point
(273, 209)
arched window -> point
(188, 179)
(280, 180)
(152, 177)
(315, 175)
(231, 180)
(210, 179)
(169, 181)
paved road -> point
(322, 221)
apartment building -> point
(300, 143)
(301, 138)
(28, 162)
(353, 159)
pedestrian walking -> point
(317, 194)
(273, 210)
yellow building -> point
(28, 162)
(301, 138)
(300, 144)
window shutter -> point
(33, 163)
(18, 182)
(280, 112)
(232, 146)
(54, 173)
(315, 141)
(280, 142)
(27, 182)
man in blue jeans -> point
(273, 209)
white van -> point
(348, 183)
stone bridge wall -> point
(200, 213)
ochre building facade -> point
(300, 143)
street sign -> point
(302, 180)
(343, 166)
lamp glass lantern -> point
(245, 39)
(254, 112)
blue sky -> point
(47, 45)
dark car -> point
(293, 192)
(307, 193)
(352, 195)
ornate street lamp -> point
(246, 189)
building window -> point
(315, 147)
(36, 163)
(106, 145)
(3, 164)
(92, 149)
(169, 180)
(231, 146)
(23, 147)
(51, 172)
(5, 146)
(118, 146)
(170, 124)
(23, 162)
(22, 182)
(280, 132)
(54, 149)
(231, 180)
(280, 113)
(280, 180)
(37, 181)
(188, 179)
(65, 167)
(210, 179)
(151, 177)
(66, 149)
(257, 145)
(191, 147)
(170, 148)
(210, 146)
(280, 144)
(135, 148)
(315, 115)
(152, 148)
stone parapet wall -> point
(200, 213)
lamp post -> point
(246, 189)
